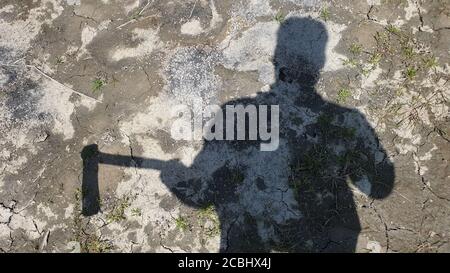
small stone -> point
(41, 137)
(74, 247)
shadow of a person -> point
(299, 197)
(326, 152)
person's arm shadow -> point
(92, 158)
(381, 172)
(384, 181)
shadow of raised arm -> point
(92, 157)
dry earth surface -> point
(80, 72)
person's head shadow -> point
(300, 52)
(299, 197)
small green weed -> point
(343, 95)
(97, 85)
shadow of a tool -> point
(92, 157)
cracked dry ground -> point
(363, 159)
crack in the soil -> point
(419, 12)
(386, 228)
(441, 28)
(228, 233)
(84, 17)
(328, 243)
(162, 244)
(423, 181)
(368, 14)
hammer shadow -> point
(92, 158)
